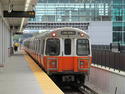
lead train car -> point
(64, 52)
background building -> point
(105, 18)
(118, 20)
(73, 10)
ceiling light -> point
(26, 8)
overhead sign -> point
(19, 14)
(18, 33)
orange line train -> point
(63, 52)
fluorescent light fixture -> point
(23, 19)
(21, 26)
(27, 4)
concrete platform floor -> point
(17, 78)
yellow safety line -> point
(46, 84)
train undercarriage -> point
(69, 79)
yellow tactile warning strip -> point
(46, 84)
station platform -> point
(20, 75)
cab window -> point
(82, 47)
(52, 47)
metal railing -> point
(105, 57)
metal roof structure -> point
(17, 5)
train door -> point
(67, 53)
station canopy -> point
(17, 5)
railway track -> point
(86, 90)
(72, 87)
(79, 90)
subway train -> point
(63, 52)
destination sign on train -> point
(68, 32)
(19, 14)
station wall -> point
(100, 32)
(4, 39)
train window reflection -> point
(67, 46)
(83, 47)
(53, 47)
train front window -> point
(53, 47)
(82, 47)
(67, 46)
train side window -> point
(42, 47)
(67, 46)
(32, 45)
(52, 47)
(39, 51)
(38, 46)
(41, 43)
(35, 45)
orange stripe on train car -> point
(65, 63)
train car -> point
(64, 52)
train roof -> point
(69, 29)
(46, 33)
(63, 29)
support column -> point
(1, 44)
(4, 39)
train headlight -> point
(82, 35)
(53, 34)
